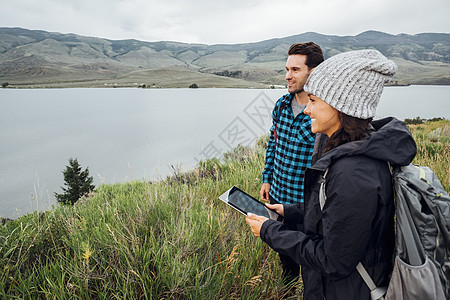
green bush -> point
(416, 120)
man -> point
(291, 142)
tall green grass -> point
(140, 240)
(433, 148)
(171, 239)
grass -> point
(433, 148)
(171, 239)
(155, 78)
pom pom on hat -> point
(352, 82)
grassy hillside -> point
(162, 240)
(34, 58)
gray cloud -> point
(224, 21)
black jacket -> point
(357, 220)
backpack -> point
(422, 246)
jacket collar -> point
(287, 99)
(389, 139)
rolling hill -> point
(34, 58)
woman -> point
(356, 222)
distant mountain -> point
(39, 58)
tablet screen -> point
(245, 203)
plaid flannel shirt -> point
(285, 166)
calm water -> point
(127, 134)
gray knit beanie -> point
(352, 82)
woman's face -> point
(324, 118)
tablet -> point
(244, 203)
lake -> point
(134, 134)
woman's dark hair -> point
(352, 129)
(313, 52)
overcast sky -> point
(224, 21)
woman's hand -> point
(255, 222)
(279, 208)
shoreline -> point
(42, 86)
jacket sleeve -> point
(293, 213)
(267, 173)
(346, 218)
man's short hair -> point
(313, 52)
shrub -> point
(416, 120)
(436, 119)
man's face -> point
(296, 73)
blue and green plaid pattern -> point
(285, 166)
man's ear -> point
(310, 70)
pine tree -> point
(78, 183)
